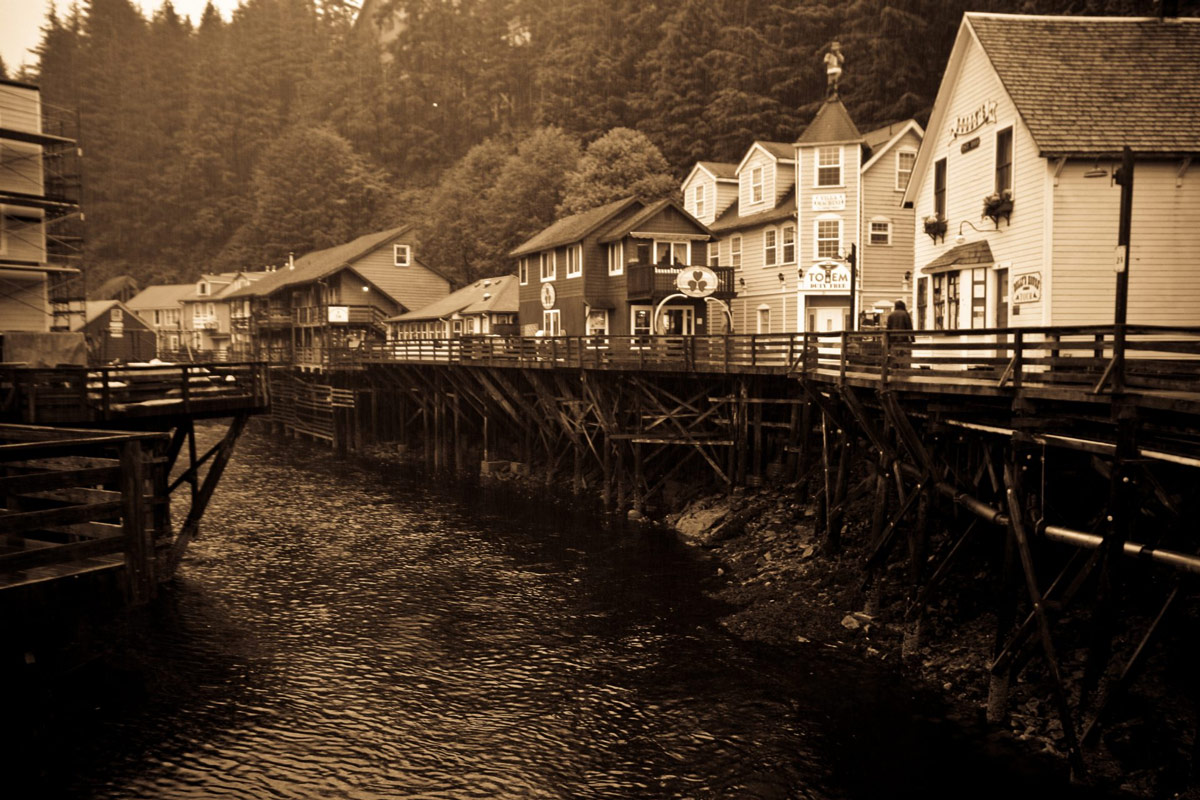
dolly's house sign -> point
(826, 277)
(696, 282)
(548, 295)
(976, 119)
(1027, 288)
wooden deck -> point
(91, 395)
(1156, 367)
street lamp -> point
(1123, 177)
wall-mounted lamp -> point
(960, 239)
(780, 277)
(1096, 171)
(742, 282)
(366, 288)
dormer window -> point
(401, 255)
(202, 288)
(756, 185)
(698, 200)
(829, 166)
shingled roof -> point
(832, 124)
(964, 255)
(498, 295)
(574, 228)
(1091, 85)
(731, 221)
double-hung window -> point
(881, 232)
(735, 251)
(939, 188)
(549, 265)
(1004, 157)
(714, 253)
(574, 261)
(616, 258)
(523, 270)
(401, 255)
(756, 185)
(770, 247)
(789, 244)
(905, 159)
(698, 200)
(829, 238)
(829, 166)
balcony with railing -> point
(652, 282)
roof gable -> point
(640, 220)
(776, 151)
(731, 221)
(1092, 85)
(718, 171)
(900, 131)
(161, 296)
(574, 228)
(498, 295)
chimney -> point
(291, 261)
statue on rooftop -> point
(833, 69)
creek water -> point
(346, 631)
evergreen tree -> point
(619, 164)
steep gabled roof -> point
(1091, 85)
(95, 308)
(320, 263)
(498, 295)
(161, 296)
(779, 151)
(897, 131)
(730, 221)
(574, 228)
(719, 171)
(831, 125)
(622, 227)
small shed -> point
(114, 333)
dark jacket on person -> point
(899, 320)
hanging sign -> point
(696, 281)
(828, 202)
(976, 119)
(1027, 288)
(339, 313)
(548, 295)
(826, 277)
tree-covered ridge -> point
(226, 144)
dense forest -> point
(229, 143)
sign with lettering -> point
(548, 295)
(339, 313)
(696, 281)
(970, 145)
(1027, 288)
(826, 277)
(828, 202)
(976, 119)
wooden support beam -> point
(139, 544)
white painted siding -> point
(883, 266)
(769, 196)
(971, 176)
(727, 194)
(1164, 282)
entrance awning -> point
(972, 254)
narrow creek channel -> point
(350, 632)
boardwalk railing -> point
(93, 394)
(1081, 359)
(77, 501)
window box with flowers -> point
(935, 227)
(997, 205)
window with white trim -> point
(616, 258)
(905, 159)
(523, 270)
(202, 288)
(829, 166)
(551, 322)
(549, 265)
(672, 252)
(764, 319)
(756, 185)
(401, 255)
(698, 200)
(597, 322)
(714, 253)
(735, 251)
(574, 261)
(828, 239)
(881, 232)
(770, 247)
(789, 244)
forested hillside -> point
(230, 143)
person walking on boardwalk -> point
(899, 320)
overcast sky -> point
(21, 23)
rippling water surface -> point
(340, 632)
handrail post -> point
(187, 389)
(845, 337)
(1018, 360)
(886, 362)
(105, 399)
(1118, 376)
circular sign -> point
(696, 281)
(548, 295)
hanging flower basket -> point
(935, 228)
(997, 205)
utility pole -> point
(1124, 179)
